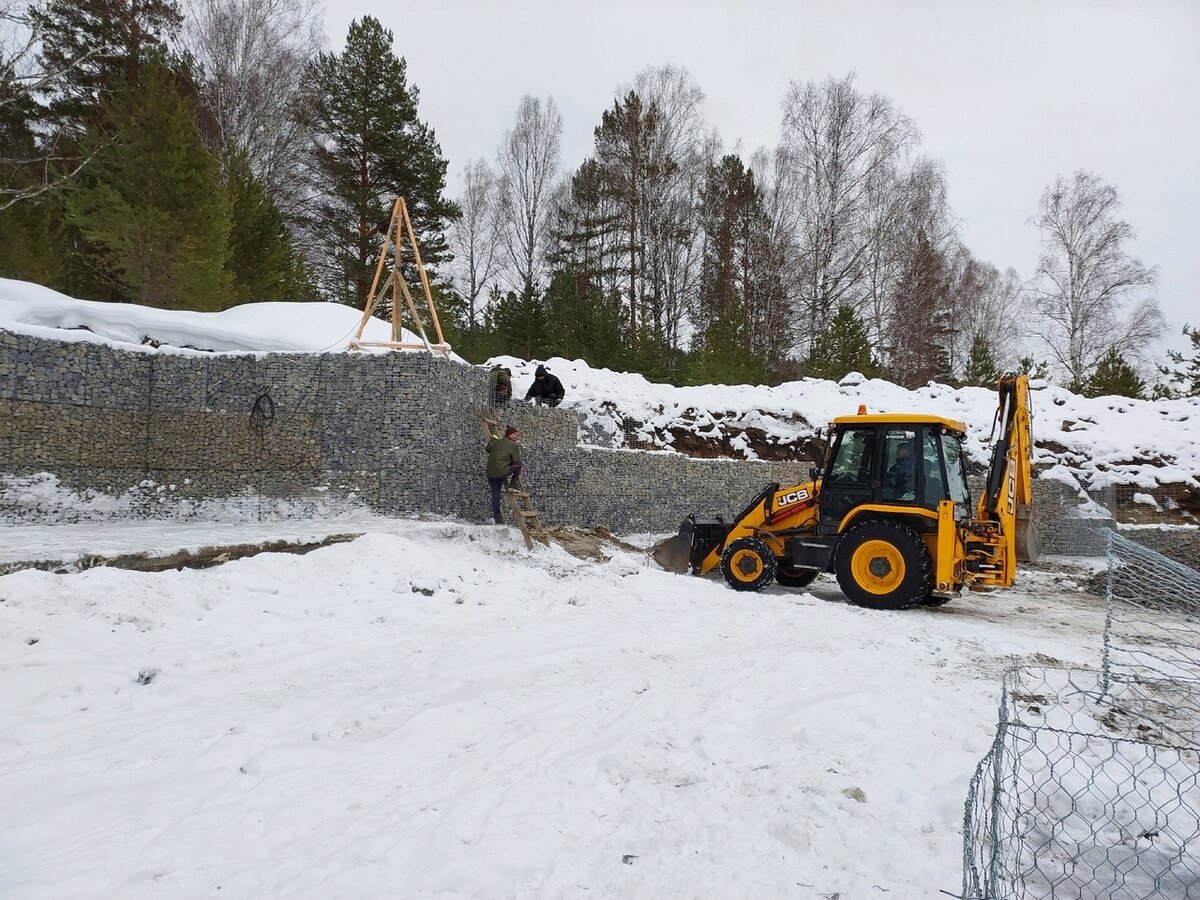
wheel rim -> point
(746, 565)
(878, 567)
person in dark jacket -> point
(503, 461)
(546, 389)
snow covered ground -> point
(432, 711)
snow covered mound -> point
(254, 327)
(1089, 442)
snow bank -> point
(1097, 441)
(250, 328)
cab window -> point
(899, 481)
(852, 463)
(931, 459)
(956, 470)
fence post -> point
(1105, 662)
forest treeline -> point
(203, 157)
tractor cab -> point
(906, 463)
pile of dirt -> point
(589, 543)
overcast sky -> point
(1006, 95)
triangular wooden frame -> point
(399, 228)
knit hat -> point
(510, 431)
(541, 370)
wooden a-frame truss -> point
(400, 228)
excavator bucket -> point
(1029, 545)
(675, 553)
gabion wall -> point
(304, 434)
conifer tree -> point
(28, 214)
(518, 323)
(1039, 369)
(920, 330)
(581, 322)
(981, 369)
(720, 355)
(263, 261)
(844, 347)
(1185, 379)
(102, 45)
(152, 202)
(370, 147)
(1114, 377)
(626, 164)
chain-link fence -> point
(1092, 786)
(1151, 660)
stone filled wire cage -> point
(1091, 788)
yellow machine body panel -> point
(900, 419)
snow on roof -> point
(1096, 441)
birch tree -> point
(680, 150)
(1090, 292)
(474, 238)
(841, 146)
(528, 163)
(252, 57)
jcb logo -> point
(1012, 489)
(792, 497)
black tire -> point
(748, 564)
(882, 564)
(794, 578)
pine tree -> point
(152, 202)
(101, 45)
(720, 355)
(981, 369)
(518, 323)
(31, 225)
(1186, 379)
(920, 333)
(1039, 369)
(625, 165)
(263, 262)
(1114, 378)
(581, 322)
(844, 347)
(371, 148)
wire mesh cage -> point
(1072, 801)
(1091, 788)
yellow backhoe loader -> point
(890, 514)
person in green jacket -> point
(504, 460)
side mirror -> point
(814, 473)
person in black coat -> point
(546, 389)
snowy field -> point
(432, 711)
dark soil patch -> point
(203, 558)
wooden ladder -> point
(519, 501)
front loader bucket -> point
(1029, 545)
(675, 553)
